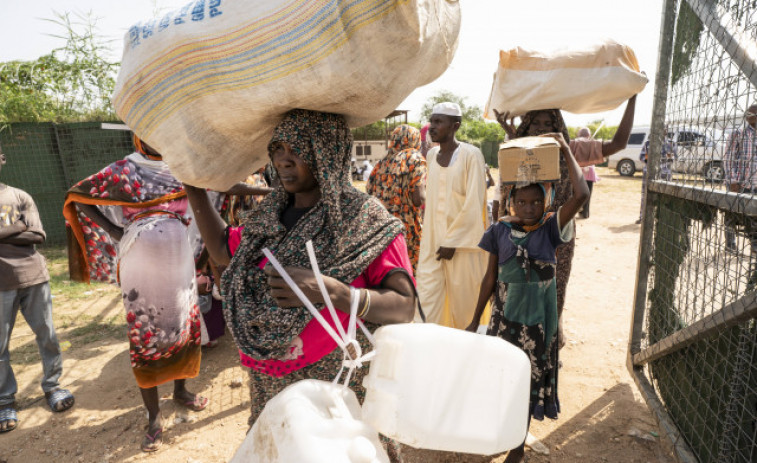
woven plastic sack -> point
(205, 85)
(586, 80)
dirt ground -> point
(603, 417)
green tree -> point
(72, 83)
(604, 132)
(470, 112)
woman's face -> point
(541, 124)
(294, 174)
(528, 203)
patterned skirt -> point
(543, 356)
(157, 279)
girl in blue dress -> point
(521, 275)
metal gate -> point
(693, 342)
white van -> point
(626, 161)
(695, 153)
(698, 154)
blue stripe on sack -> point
(242, 57)
(223, 63)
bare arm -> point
(393, 302)
(97, 217)
(419, 195)
(210, 224)
(580, 188)
(485, 292)
(620, 140)
(13, 229)
(245, 189)
(24, 238)
(19, 234)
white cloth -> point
(455, 217)
(367, 169)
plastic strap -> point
(322, 287)
(303, 298)
(348, 363)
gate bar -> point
(739, 311)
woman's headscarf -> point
(349, 229)
(549, 197)
(404, 137)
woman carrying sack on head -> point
(544, 121)
(154, 265)
(357, 243)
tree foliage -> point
(474, 129)
(470, 112)
(604, 133)
(71, 83)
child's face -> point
(528, 203)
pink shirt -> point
(314, 343)
(590, 174)
(179, 206)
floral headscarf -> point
(349, 229)
(404, 137)
(549, 197)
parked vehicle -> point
(698, 154)
(627, 161)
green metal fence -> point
(45, 159)
(693, 346)
(490, 149)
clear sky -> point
(487, 27)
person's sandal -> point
(152, 443)
(6, 415)
(59, 397)
(197, 404)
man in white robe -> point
(451, 265)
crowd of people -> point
(421, 235)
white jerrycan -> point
(442, 388)
(311, 421)
(314, 421)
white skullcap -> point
(448, 109)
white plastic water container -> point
(311, 421)
(442, 388)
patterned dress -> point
(394, 180)
(525, 312)
(563, 192)
(154, 261)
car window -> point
(636, 138)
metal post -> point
(662, 78)
(66, 176)
(657, 136)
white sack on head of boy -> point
(206, 84)
(590, 79)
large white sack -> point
(311, 421)
(586, 80)
(205, 85)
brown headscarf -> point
(349, 229)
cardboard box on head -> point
(529, 160)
